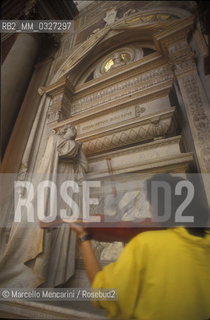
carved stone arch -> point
(150, 21)
(134, 51)
(114, 38)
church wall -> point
(127, 114)
(25, 119)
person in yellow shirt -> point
(160, 275)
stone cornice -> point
(147, 146)
(58, 87)
(140, 97)
(122, 89)
(143, 13)
(168, 158)
(128, 124)
(176, 163)
(175, 27)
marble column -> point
(16, 73)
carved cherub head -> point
(68, 132)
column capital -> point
(181, 57)
(176, 32)
(61, 93)
(174, 44)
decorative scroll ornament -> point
(139, 110)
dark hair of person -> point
(198, 207)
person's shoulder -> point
(154, 236)
(149, 242)
(159, 233)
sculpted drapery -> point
(34, 256)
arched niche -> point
(117, 41)
(122, 56)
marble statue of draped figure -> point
(36, 257)
(72, 166)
